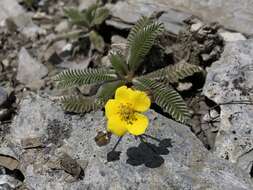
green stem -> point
(115, 146)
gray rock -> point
(183, 162)
(6, 63)
(184, 86)
(118, 44)
(116, 39)
(3, 96)
(9, 8)
(9, 183)
(81, 64)
(232, 36)
(105, 61)
(84, 4)
(232, 14)
(29, 69)
(131, 10)
(236, 15)
(52, 53)
(25, 25)
(231, 80)
(119, 24)
(196, 26)
(63, 26)
(174, 20)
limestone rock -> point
(232, 36)
(8, 182)
(230, 82)
(3, 96)
(25, 25)
(236, 15)
(63, 26)
(29, 69)
(118, 44)
(174, 20)
(84, 4)
(9, 8)
(177, 161)
(130, 11)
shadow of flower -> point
(148, 154)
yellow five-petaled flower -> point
(124, 112)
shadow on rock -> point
(148, 154)
(113, 156)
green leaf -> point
(141, 23)
(140, 41)
(97, 41)
(107, 91)
(70, 77)
(90, 13)
(78, 104)
(165, 97)
(174, 73)
(94, 15)
(76, 17)
(119, 63)
(100, 16)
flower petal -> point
(116, 126)
(112, 108)
(124, 94)
(141, 101)
(139, 126)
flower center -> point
(127, 113)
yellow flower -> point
(124, 112)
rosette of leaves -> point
(123, 72)
(88, 21)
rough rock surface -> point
(29, 69)
(3, 96)
(130, 11)
(9, 8)
(8, 183)
(84, 4)
(200, 45)
(25, 25)
(237, 15)
(13, 15)
(231, 80)
(179, 161)
(231, 36)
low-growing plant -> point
(124, 72)
(87, 22)
(90, 18)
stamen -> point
(127, 113)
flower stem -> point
(115, 146)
